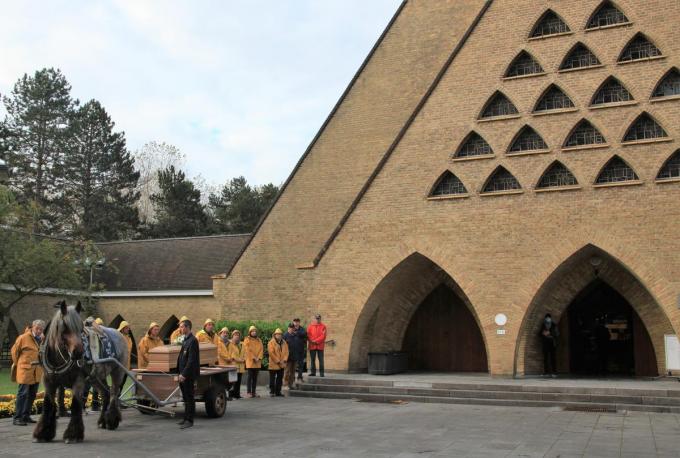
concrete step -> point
(488, 394)
(547, 403)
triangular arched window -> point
(557, 175)
(501, 180)
(449, 184)
(671, 168)
(498, 105)
(607, 14)
(640, 47)
(669, 84)
(549, 24)
(523, 64)
(584, 134)
(527, 140)
(611, 91)
(644, 128)
(615, 171)
(473, 145)
(579, 57)
(553, 98)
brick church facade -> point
(490, 157)
(514, 157)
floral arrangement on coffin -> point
(178, 341)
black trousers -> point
(187, 389)
(24, 401)
(313, 354)
(275, 381)
(549, 358)
(251, 384)
(235, 391)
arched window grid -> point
(616, 171)
(498, 106)
(670, 170)
(449, 185)
(584, 134)
(473, 146)
(501, 180)
(527, 140)
(554, 98)
(644, 128)
(607, 15)
(639, 48)
(524, 65)
(549, 24)
(668, 86)
(557, 175)
(578, 58)
(612, 91)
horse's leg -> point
(104, 392)
(113, 416)
(75, 432)
(46, 428)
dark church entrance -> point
(443, 335)
(604, 336)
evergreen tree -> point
(33, 139)
(99, 179)
(238, 207)
(177, 206)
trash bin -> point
(387, 363)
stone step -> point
(499, 387)
(487, 394)
(574, 405)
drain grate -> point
(589, 409)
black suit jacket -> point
(188, 361)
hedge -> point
(265, 331)
(8, 403)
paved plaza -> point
(333, 428)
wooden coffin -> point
(164, 358)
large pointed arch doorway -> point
(609, 322)
(417, 307)
(115, 324)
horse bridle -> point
(61, 369)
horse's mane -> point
(63, 324)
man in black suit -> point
(189, 367)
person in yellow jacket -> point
(254, 352)
(24, 352)
(149, 341)
(223, 348)
(278, 358)
(124, 328)
(208, 334)
(176, 333)
(237, 354)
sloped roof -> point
(168, 264)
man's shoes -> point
(29, 420)
(187, 424)
(312, 375)
(19, 423)
(321, 375)
(279, 395)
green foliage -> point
(265, 331)
(100, 180)
(177, 205)
(238, 207)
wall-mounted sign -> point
(500, 319)
(672, 352)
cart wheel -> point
(215, 402)
(145, 402)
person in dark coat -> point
(549, 335)
(189, 368)
(296, 338)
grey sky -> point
(240, 86)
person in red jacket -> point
(316, 335)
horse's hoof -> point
(38, 441)
(68, 441)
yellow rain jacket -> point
(237, 352)
(253, 348)
(204, 337)
(145, 345)
(175, 334)
(224, 354)
(128, 341)
(24, 351)
(278, 354)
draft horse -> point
(62, 356)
